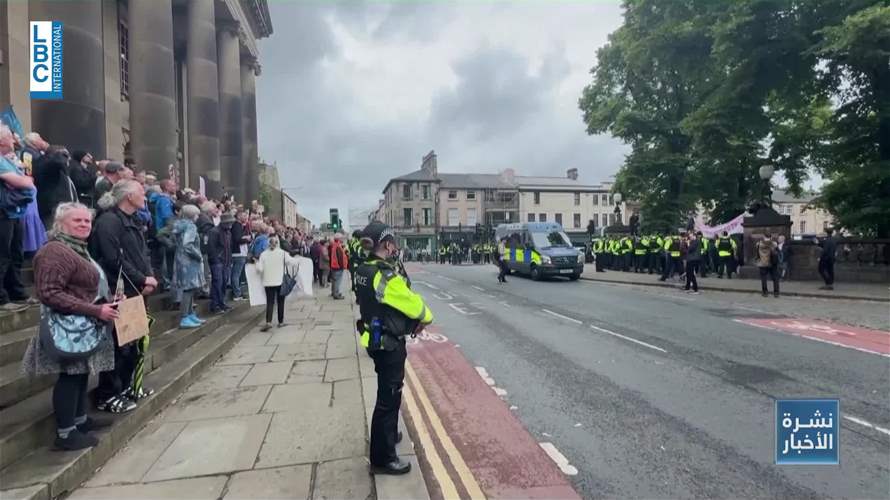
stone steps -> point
(44, 473)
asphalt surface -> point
(654, 393)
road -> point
(650, 392)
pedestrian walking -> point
(768, 263)
(188, 265)
(693, 260)
(272, 265)
(501, 257)
(390, 311)
(70, 284)
(324, 262)
(827, 259)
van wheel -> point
(536, 273)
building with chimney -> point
(426, 208)
(169, 84)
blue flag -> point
(9, 118)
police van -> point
(540, 249)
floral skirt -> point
(38, 361)
(33, 231)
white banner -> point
(732, 227)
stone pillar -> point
(78, 120)
(250, 170)
(230, 131)
(152, 86)
(203, 96)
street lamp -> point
(617, 198)
(766, 173)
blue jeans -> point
(217, 286)
(238, 264)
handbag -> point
(288, 282)
(69, 337)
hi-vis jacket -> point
(385, 294)
(726, 247)
(597, 245)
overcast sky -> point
(355, 93)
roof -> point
(417, 175)
(524, 181)
(783, 196)
(477, 181)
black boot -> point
(77, 440)
(394, 468)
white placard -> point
(255, 285)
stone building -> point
(426, 207)
(806, 220)
(161, 82)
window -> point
(471, 195)
(537, 198)
(427, 216)
(471, 217)
(596, 199)
(605, 200)
(452, 195)
(123, 38)
(406, 191)
(425, 191)
(531, 217)
(611, 200)
(542, 218)
(558, 218)
(577, 199)
(453, 217)
(576, 222)
(604, 219)
(803, 227)
(409, 219)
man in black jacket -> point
(219, 256)
(54, 186)
(118, 245)
(827, 259)
(83, 173)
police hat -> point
(378, 232)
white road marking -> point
(514, 407)
(505, 304)
(479, 288)
(443, 296)
(838, 344)
(573, 320)
(465, 312)
(499, 391)
(447, 278)
(559, 459)
(484, 374)
(867, 424)
(752, 309)
(629, 339)
(434, 287)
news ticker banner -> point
(807, 431)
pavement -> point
(850, 291)
(643, 392)
(284, 414)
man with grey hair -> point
(114, 171)
(118, 245)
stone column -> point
(230, 131)
(78, 120)
(152, 86)
(203, 96)
(250, 170)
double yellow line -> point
(466, 478)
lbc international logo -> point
(807, 431)
(46, 59)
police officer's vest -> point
(724, 247)
(395, 324)
(598, 245)
(641, 246)
(675, 247)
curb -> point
(736, 290)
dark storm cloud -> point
(353, 94)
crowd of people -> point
(98, 232)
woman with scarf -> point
(68, 281)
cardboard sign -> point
(133, 321)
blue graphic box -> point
(807, 431)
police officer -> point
(390, 310)
(600, 254)
(726, 251)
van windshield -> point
(551, 239)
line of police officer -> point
(456, 254)
(663, 254)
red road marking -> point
(863, 339)
(505, 459)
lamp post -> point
(617, 197)
(766, 173)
